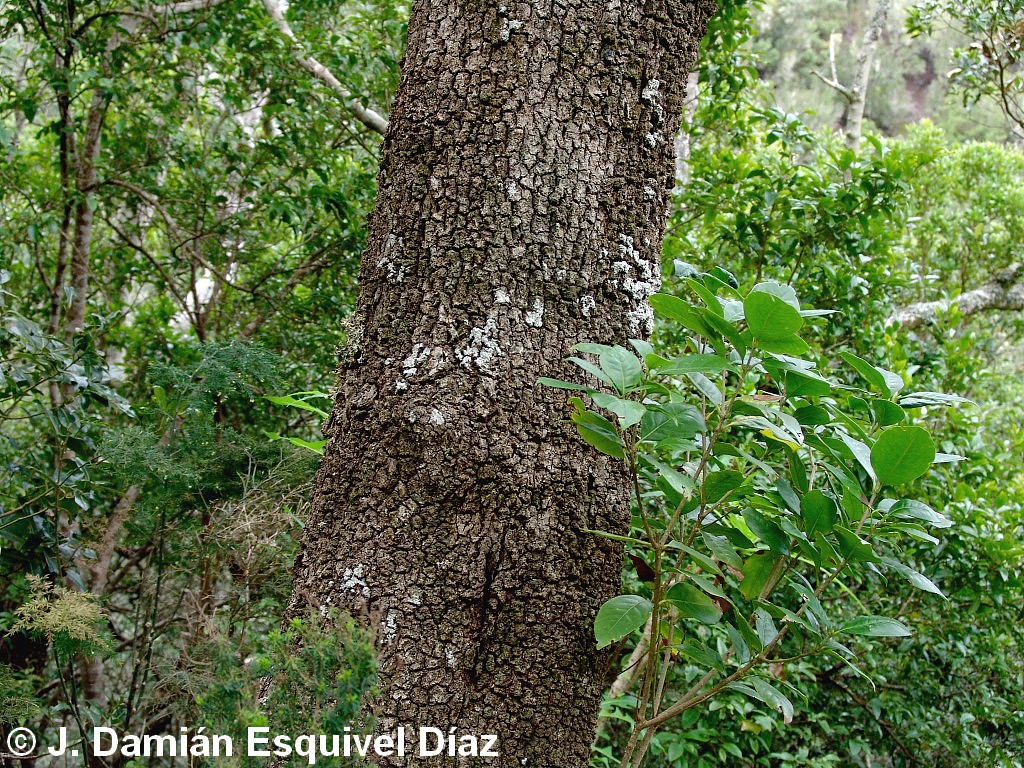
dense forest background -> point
(183, 206)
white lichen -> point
(401, 385)
(482, 347)
(390, 626)
(436, 417)
(501, 296)
(396, 272)
(652, 95)
(508, 26)
(638, 278)
(535, 316)
(419, 353)
(449, 654)
(352, 580)
(587, 305)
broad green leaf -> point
(757, 573)
(887, 412)
(819, 513)
(702, 654)
(693, 604)
(771, 318)
(800, 384)
(592, 369)
(620, 616)
(861, 453)
(916, 510)
(792, 345)
(709, 298)
(694, 364)
(916, 578)
(902, 454)
(780, 290)
(764, 626)
(868, 372)
(622, 367)
(875, 626)
(597, 431)
(706, 387)
(763, 691)
(671, 420)
(853, 547)
(718, 484)
(722, 549)
(676, 309)
(592, 349)
(629, 412)
(705, 562)
(767, 531)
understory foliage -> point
(810, 578)
(764, 489)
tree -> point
(523, 191)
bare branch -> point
(363, 114)
(1005, 291)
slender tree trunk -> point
(523, 192)
(85, 179)
(865, 59)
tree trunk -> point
(523, 192)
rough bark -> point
(1005, 291)
(523, 192)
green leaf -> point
(693, 604)
(622, 367)
(919, 580)
(629, 412)
(705, 562)
(770, 318)
(559, 384)
(757, 572)
(671, 420)
(761, 690)
(802, 384)
(694, 364)
(919, 399)
(767, 531)
(292, 401)
(853, 547)
(793, 345)
(706, 296)
(915, 510)
(861, 453)
(592, 369)
(875, 626)
(902, 454)
(675, 309)
(780, 290)
(598, 432)
(718, 484)
(620, 616)
(722, 549)
(867, 371)
(819, 512)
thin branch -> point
(363, 114)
